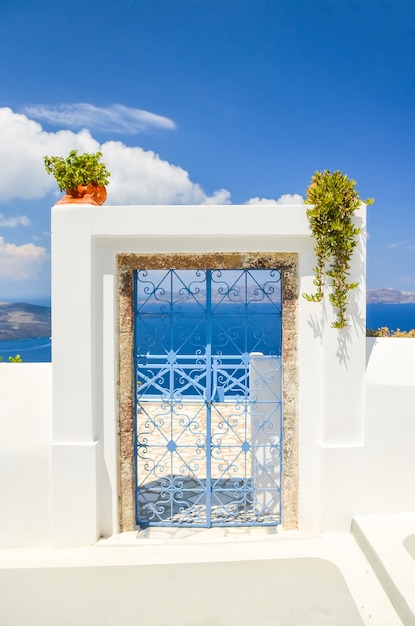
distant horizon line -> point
(46, 300)
(29, 300)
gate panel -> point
(208, 410)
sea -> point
(37, 350)
(393, 316)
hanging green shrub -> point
(335, 200)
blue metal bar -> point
(208, 396)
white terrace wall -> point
(376, 477)
(59, 471)
(25, 453)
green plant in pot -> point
(82, 176)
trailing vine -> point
(335, 200)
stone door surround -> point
(287, 263)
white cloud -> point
(141, 177)
(406, 245)
(398, 244)
(137, 176)
(407, 279)
(221, 196)
(20, 262)
(286, 198)
(114, 118)
(23, 144)
(11, 222)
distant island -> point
(24, 321)
(27, 321)
(386, 295)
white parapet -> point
(25, 453)
(265, 402)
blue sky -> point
(205, 101)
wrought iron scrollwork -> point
(208, 407)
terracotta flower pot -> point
(85, 194)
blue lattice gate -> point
(208, 404)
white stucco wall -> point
(25, 453)
(58, 468)
(377, 476)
